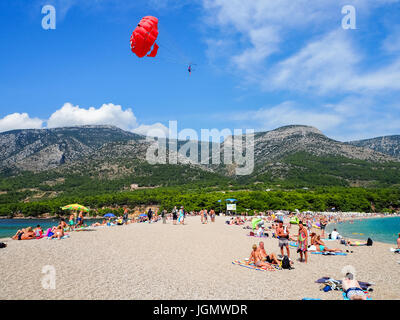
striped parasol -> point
(76, 207)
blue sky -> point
(261, 64)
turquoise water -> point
(378, 229)
(8, 227)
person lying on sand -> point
(98, 224)
(320, 245)
(352, 288)
(270, 258)
(256, 257)
(58, 233)
(25, 234)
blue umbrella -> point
(231, 200)
(143, 215)
(109, 215)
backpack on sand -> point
(369, 242)
(286, 263)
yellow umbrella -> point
(75, 206)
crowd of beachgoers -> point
(303, 231)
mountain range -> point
(57, 159)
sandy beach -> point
(156, 261)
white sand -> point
(156, 261)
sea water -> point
(9, 227)
(378, 229)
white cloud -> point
(288, 113)
(19, 121)
(154, 130)
(107, 114)
(391, 44)
(318, 56)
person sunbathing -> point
(270, 258)
(352, 288)
(58, 233)
(38, 231)
(25, 234)
(255, 257)
(320, 245)
(98, 224)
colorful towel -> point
(366, 292)
(363, 285)
(63, 237)
(243, 263)
(293, 244)
(330, 253)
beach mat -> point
(63, 237)
(243, 263)
(345, 296)
(363, 285)
(330, 253)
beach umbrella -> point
(109, 215)
(76, 207)
(143, 215)
(231, 200)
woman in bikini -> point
(58, 233)
(320, 245)
(256, 257)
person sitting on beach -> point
(25, 234)
(38, 231)
(255, 257)
(320, 245)
(270, 258)
(352, 288)
(335, 235)
(58, 233)
(63, 224)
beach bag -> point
(2, 245)
(369, 242)
(286, 263)
(251, 234)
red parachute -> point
(144, 36)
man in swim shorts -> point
(283, 236)
(352, 288)
(270, 258)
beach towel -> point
(366, 292)
(293, 244)
(256, 236)
(243, 263)
(330, 253)
(363, 285)
(63, 237)
(82, 229)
